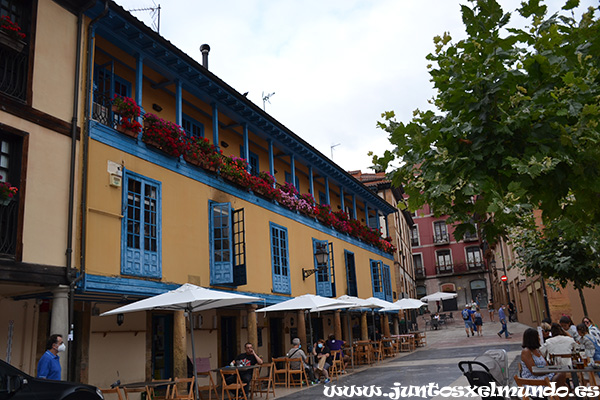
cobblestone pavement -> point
(437, 362)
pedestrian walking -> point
(491, 310)
(467, 315)
(49, 365)
(478, 320)
(502, 318)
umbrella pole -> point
(193, 355)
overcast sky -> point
(334, 65)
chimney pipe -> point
(204, 49)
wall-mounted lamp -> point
(156, 107)
(120, 319)
(224, 144)
(321, 255)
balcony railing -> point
(441, 238)
(470, 237)
(8, 228)
(102, 110)
(414, 242)
(420, 272)
(460, 268)
(13, 72)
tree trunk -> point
(585, 312)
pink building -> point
(444, 264)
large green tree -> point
(514, 125)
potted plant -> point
(163, 135)
(199, 151)
(264, 184)
(235, 169)
(129, 111)
(10, 34)
(7, 192)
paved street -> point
(435, 363)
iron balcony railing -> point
(441, 238)
(13, 72)
(459, 268)
(8, 227)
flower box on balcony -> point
(11, 35)
(163, 135)
(11, 42)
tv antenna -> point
(266, 99)
(154, 14)
(333, 146)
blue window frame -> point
(192, 127)
(252, 162)
(376, 280)
(141, 227)
(350, 273)
(322, 198)
(280, 259)
(387, 283)
(324, 278)
(288, 179)
(221, 268)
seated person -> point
(338, 345)
(245, 360)
(297, 352)
(323, 358)
(559, 343)
(587, 342)
(567, 324)
(531, 357)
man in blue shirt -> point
(49, 364)
(502, 318)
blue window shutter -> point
(221, 265)
(288, 179)
(350, 273)
(239, 247)
(192, 127)
(252, 162)
(387, 283)
(376, 279)
(322, 198)
(141, 227)
(323, 277)
(280, 259)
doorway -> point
(162, 346)
(276, 345)
(229, 340)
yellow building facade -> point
(136, 221)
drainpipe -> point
(71, 211)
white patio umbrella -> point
(189, 298)
(437, 296)
(406, 304)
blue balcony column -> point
(215, 123)
(355, 215)
(311, 181)
(178, 112)
(342, 198)
(367, 214)
(247, 147)
(377, 219)
(139, 76)
(271, 160)
(293, 168)
(327, 190)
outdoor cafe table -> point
(147, 385)
(567, 369)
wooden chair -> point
(280, 368)
(407, 343)
(112, 391)
(363, 352)
(127, 390)
(208, 385)
(162, 392)
(534, 382)
(338, 364)
(263, 383)
(295, 367)
(560, 359)
(348, 350)
(388, 347)
(237, 386)
(183, 389)
(377, 350)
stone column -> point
(179, 345)
(346, 325)
(364, 330)
(337, 325)
(386, 326)
(302, 329)
(59, 323)
(396, 325)
(252, 325)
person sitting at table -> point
(586, 340)
(334, 344)
(323, 358)
(593, 329)
(567, 324)
(245, 360)
(559, 343)
(297, 352)
(532, 357)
